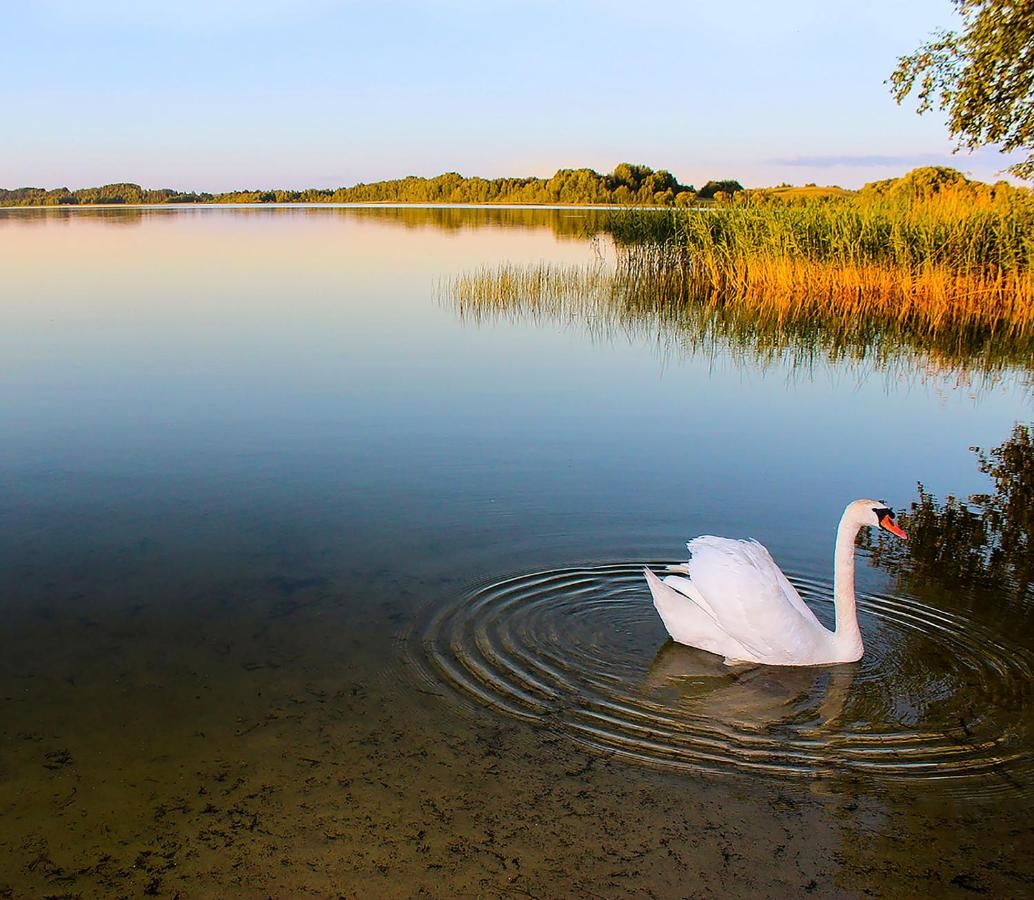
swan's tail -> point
(676, 609)
(688, 620)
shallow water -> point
(311, 584)
(937, 696)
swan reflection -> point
(697, 684)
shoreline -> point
(367, 205)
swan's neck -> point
(846, 636)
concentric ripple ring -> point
(581, 650)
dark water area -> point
(313, 586)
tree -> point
(630, 175)
(923, 183)
(982, 77)
(708, 191)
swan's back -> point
(751, 597)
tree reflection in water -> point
(982, 543)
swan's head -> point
(876, 514)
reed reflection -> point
(641, 293)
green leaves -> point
(983, 77)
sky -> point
(230, 94)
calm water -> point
(314, 583)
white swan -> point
(737, 603)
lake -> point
(316, 581)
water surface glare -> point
(313, 584)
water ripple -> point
(936, 696)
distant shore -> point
(627, 185)
(316, 205)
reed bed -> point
(956, 261)
(930, 268)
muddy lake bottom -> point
(210, 756)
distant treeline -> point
(627, 185)
(109, 193)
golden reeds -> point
(932, 298)
(961, 259)
(941, 275)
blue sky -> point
(295, 93)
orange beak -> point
(890, 525)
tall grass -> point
(958, 261)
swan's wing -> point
(763, 560)
(750, 596)
(685, 586)
(688, 620)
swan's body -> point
(737, 603)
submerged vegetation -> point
(931, 267)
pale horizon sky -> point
(316, 93)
